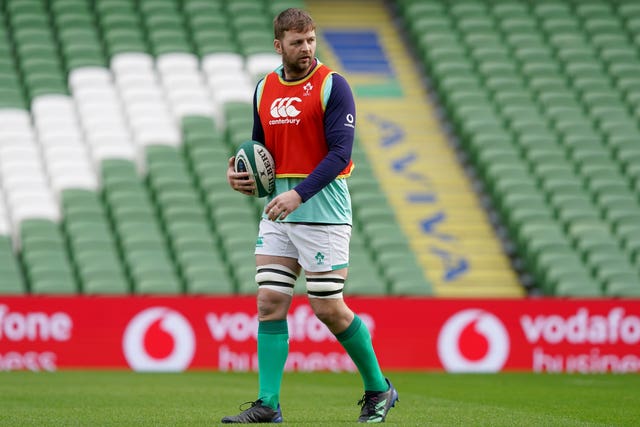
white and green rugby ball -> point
(254, 158)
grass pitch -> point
(117, 398)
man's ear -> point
(277, 45)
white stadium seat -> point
(176, 62)
(222, 61)
(89, 76)
(131, 62)
(260, 64)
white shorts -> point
(317, 247)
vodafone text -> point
(229, 360)
(30, 360)
(303, 326)
(593, 361)
(32, 327)
(583, 328)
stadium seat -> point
(45, 258)
(362, 279)
(11, 281)
(205, 272)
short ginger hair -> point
(292, 19)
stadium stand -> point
(117, 120)
(116, 114)
(409, 154)
(543, 101)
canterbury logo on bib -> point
(283, 107)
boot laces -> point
(249, 404)
(368, 402)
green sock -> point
(273, 349)
(356, 340)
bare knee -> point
(272, 305)
(325, 313)
(334, 313)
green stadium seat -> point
(105, 283)
(629, 236)
(152, 271)
(11, 280)
(83, 214)
(205, 273)
(101, 271)
(363, 278)
(198, 7)
(150, 282)
(276, 6)
(622, 285)
(243, 270)
(404, 275)
(577, 286)
(49, 271)
(244, 7)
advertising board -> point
(219, 333)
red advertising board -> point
(219, 333)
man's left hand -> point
(282, 205)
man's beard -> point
(296, 68)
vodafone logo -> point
(473, 340)
(282, 107)
(158, 339)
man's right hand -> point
(240, 181)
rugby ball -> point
(254, 158)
